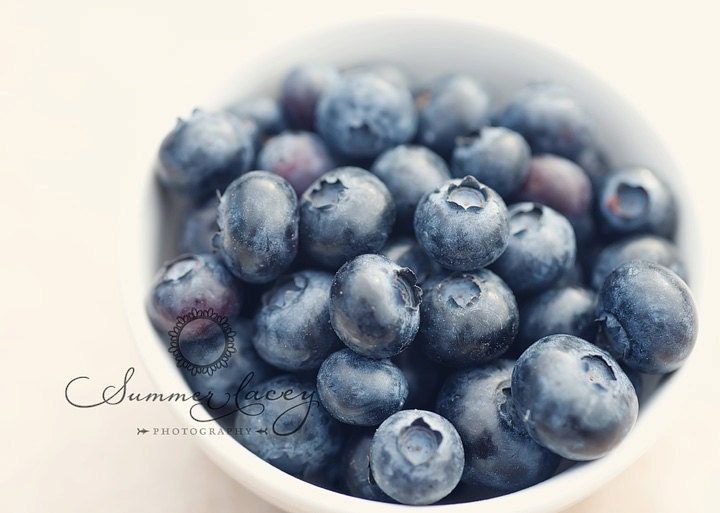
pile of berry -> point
(426, 291)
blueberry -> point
(564, 309)
(416, 457)
(258, 227)
(344, 213)
(560, 184)
(375, 306)
(206, 152)
(359, 390)
(499, 453)
(647, 317)
(498, 157)
(223, 384)
(299, 157)
(540, 251)
(573, 397)
(467, 319)
(355, 469)
(292, 328)
(452, 106)
(363, 115)
(550, 120)
(302, 88)
(199, 227)
(462, 224)
(634, 200)
(193, 282)
(409, 172)
(283, 422)
(639, 247)
(406, 252)
(264, 111)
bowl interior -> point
(424, 49)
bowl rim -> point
(292, 494)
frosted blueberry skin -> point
(647, 317)
(639, 247)
(301, 89)
(199, 227)
(191, 282)
(206, 152)
(344, 213)
(299, 157)
(258, 227)
(288, 427)
(416, 457)
(499, 453)
(452, 106)
(375, 306)
(243, 365)
(355, 471)
(564, 309)
(462, 225)
(363, 115)
(292, 327)
(498, 157)
(409, 172)
(540, 251)
(634, 200)
(406, 252)
(573, 397)
(563, 186)
(382, 391)
(265, 111)
(550, 120)
(467, 318)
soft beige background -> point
(86, 91)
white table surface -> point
(87, 87)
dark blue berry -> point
(299, 157)
(344, 213)
(359, 390)
(639, 247)
(498, 157)
(416, 457)
(375, 306)
(452, 106)
(283, 422)
(634, 200)
(301, 90)
(409, 172)
(467, 318)
(499, 453)
(206, 152)
(540, 251)
(363, 115)
(550, 120)
(462, 225)
(193, 282)
(292, 328)
(199, 227)
(647, 317)
(258, 227)
(573, 397)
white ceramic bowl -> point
(424, 48)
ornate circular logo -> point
(202, 341)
